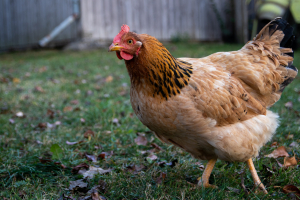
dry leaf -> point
(72, 143)
(289, 136)
(74, 102)
(82, 120)
(45, 160)
(68, 109)
(89, 133)
(161, 178)
(136, 168)
(109, 79)
(141, 140)
(291, 189)
(294, 144)
(288, 104)
(290, 162)
(116, 122)
(77, 185)
(42, 125)
(92, 158)
(11, 121)
(43, 69)
(39, 89)
(279, 152)
(104, 155)
(235, 190)
(78, 167)
(20, 114)
(50, 113)
(200, 165)
(274, 144)
(156, 146)
(93, 171)
(16, 80)
(152, 157)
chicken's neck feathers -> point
(158, 70)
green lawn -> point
(83, 91)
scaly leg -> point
(206, 174)
(255, 177)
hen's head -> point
(126, 44)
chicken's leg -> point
(255, 177)
(206, 174)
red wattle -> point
(126, 56)
(118, 55)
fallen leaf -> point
(116, 122)
(141, 140)
(45, 160)
(200, 165)
(20, 115)
(68, 109)
(161, 178)
(92, 158)
(104, 155)
(78, 167)
(274, 144)
(279, 152)
(41, 125)
(291, 189)
(136, 168)
(290, 162)
(156, 146)
(43, 69)
(294, 144)
(172, 163)
(72, 143)
(109, 79)
(288, 104)
(74, 102)
(56, 151)
(235, 190)
(289, 136)
(16, 80)
(50, 113)
(93, 171)
(151, 158)
(89, 133)
(78, 185)
(39, 142)
(39, 89)
(82, 120)
(11, 121)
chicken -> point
(213, 107)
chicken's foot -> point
(255, 177)
(204, 181)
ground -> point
(49, 99)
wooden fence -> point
(24, 22)
(196, 19)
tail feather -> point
(275, 41)
(279, 24)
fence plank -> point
(26, 22)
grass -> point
(33, 82)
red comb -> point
(124, 29)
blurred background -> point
(86, 24)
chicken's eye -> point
(129, 41)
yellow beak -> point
(115, 47)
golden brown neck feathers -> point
(156, 67)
